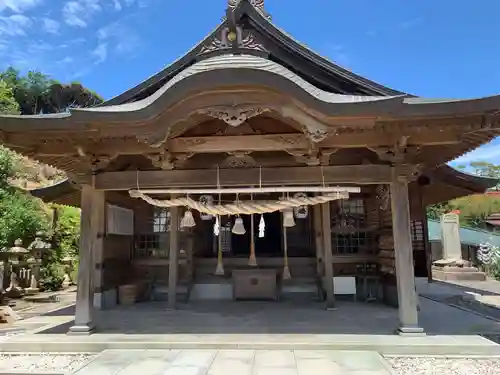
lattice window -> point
(149, 246)
(417, 234)
(349, 234)
(161, 220)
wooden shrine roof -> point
(245, 69)
(262, 38)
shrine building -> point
(253, 168)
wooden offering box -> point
(255, 283)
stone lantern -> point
(16, 256)
(68, 269)
(37, 249)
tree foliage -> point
(21, 216)
(8, 103)
(37, 93)
(474, 209)
(67, 230)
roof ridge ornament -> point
(257, 4)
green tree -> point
(37, 93)
(8, 103)
(21, 215)
(67, 230)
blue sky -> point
(429, 48)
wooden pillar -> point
(425, 229)
(403, 251)
(317, 225)
(327, 247)
(92, 210)
(173, 257)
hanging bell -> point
(188, 220)
(288, 220)
(238, 227)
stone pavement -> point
(236, 362)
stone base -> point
(31, 291)
(83, 330)
(457, 274)
(411, 331)
(14, 292)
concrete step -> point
(440, 345)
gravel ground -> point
(444, 366)
(44, 362)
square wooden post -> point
(317, 225)
(173, 257)
(327, 248)
(92, 208)
(403, 252)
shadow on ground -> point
(283, 317)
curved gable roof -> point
(280, 47)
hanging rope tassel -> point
(252, 260)
(286, 269)
(262, 227)
(219, 270)
(216, 226)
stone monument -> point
(452, 266)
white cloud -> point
(14, 25)
(411, 23)
(77, 13)
(51, 26)
(18, 6)
(101, 52)
(123, 38)
(117, 5)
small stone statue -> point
(14, 290)
(33, 289)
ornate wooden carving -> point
(383, 196)
(316, 135)
(308, 157)
(98, 162)
(289, 141)
(239, 160)
(167, 161)
(399, 153)
(244, 39)
(234, 115)
(153, 138)
(258, 4)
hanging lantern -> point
(188, 220)
(288, 220)
(262, 226)
(301, 211)
(238, 227)
(206, 200)
(216, 226)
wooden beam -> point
(214, 144)
(285, 176)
